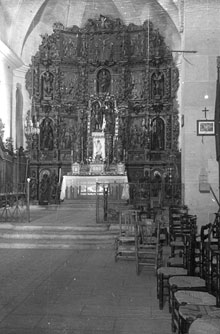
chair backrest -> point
(127, 222)
(147, 231)
(214, 231)
(204, 235)
(175, 216)
(187, 233)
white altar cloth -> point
(74, 186)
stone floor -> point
(45, 291)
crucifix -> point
(205, 111)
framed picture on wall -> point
(205, 127)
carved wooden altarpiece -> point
(105, 94)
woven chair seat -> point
(193, 311)
(187, 282)
(204, 325)
(194, 297)
(126, 239)
(171, 271)
(175, 261)
(177, 243)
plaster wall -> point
(198, 90)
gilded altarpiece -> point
(102, 94)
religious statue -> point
(46, 134)
(47, 84)
(98, 146)
(109, 117)
(96, 117)
(103, 81)
(157, 84)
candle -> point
(59, 175)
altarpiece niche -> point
(103, 95)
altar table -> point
(75, 186)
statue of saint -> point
(157, 84)
(96, 117)
(47, 82)
(104, 81)
(46, 134)
(98, 146)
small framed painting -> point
(205, 127)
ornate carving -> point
(106, 77)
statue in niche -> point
(156, 181)
(46, 134)
(103, 81)
(47, 84)
(157, 84)
(109, 117)
(98, 154)
(135, 134)
(96, 117)
(158, 134)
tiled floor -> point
(76, 291)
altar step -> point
(56, 237)
(84, 202)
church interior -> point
(115, 105)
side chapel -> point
(104, 96)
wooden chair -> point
(204, 236)
(187, 305)
(200, 307)
(189, 282)
(125, 241)
(148, 248)
(187, 227)
(175, 237)
(166, 272)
